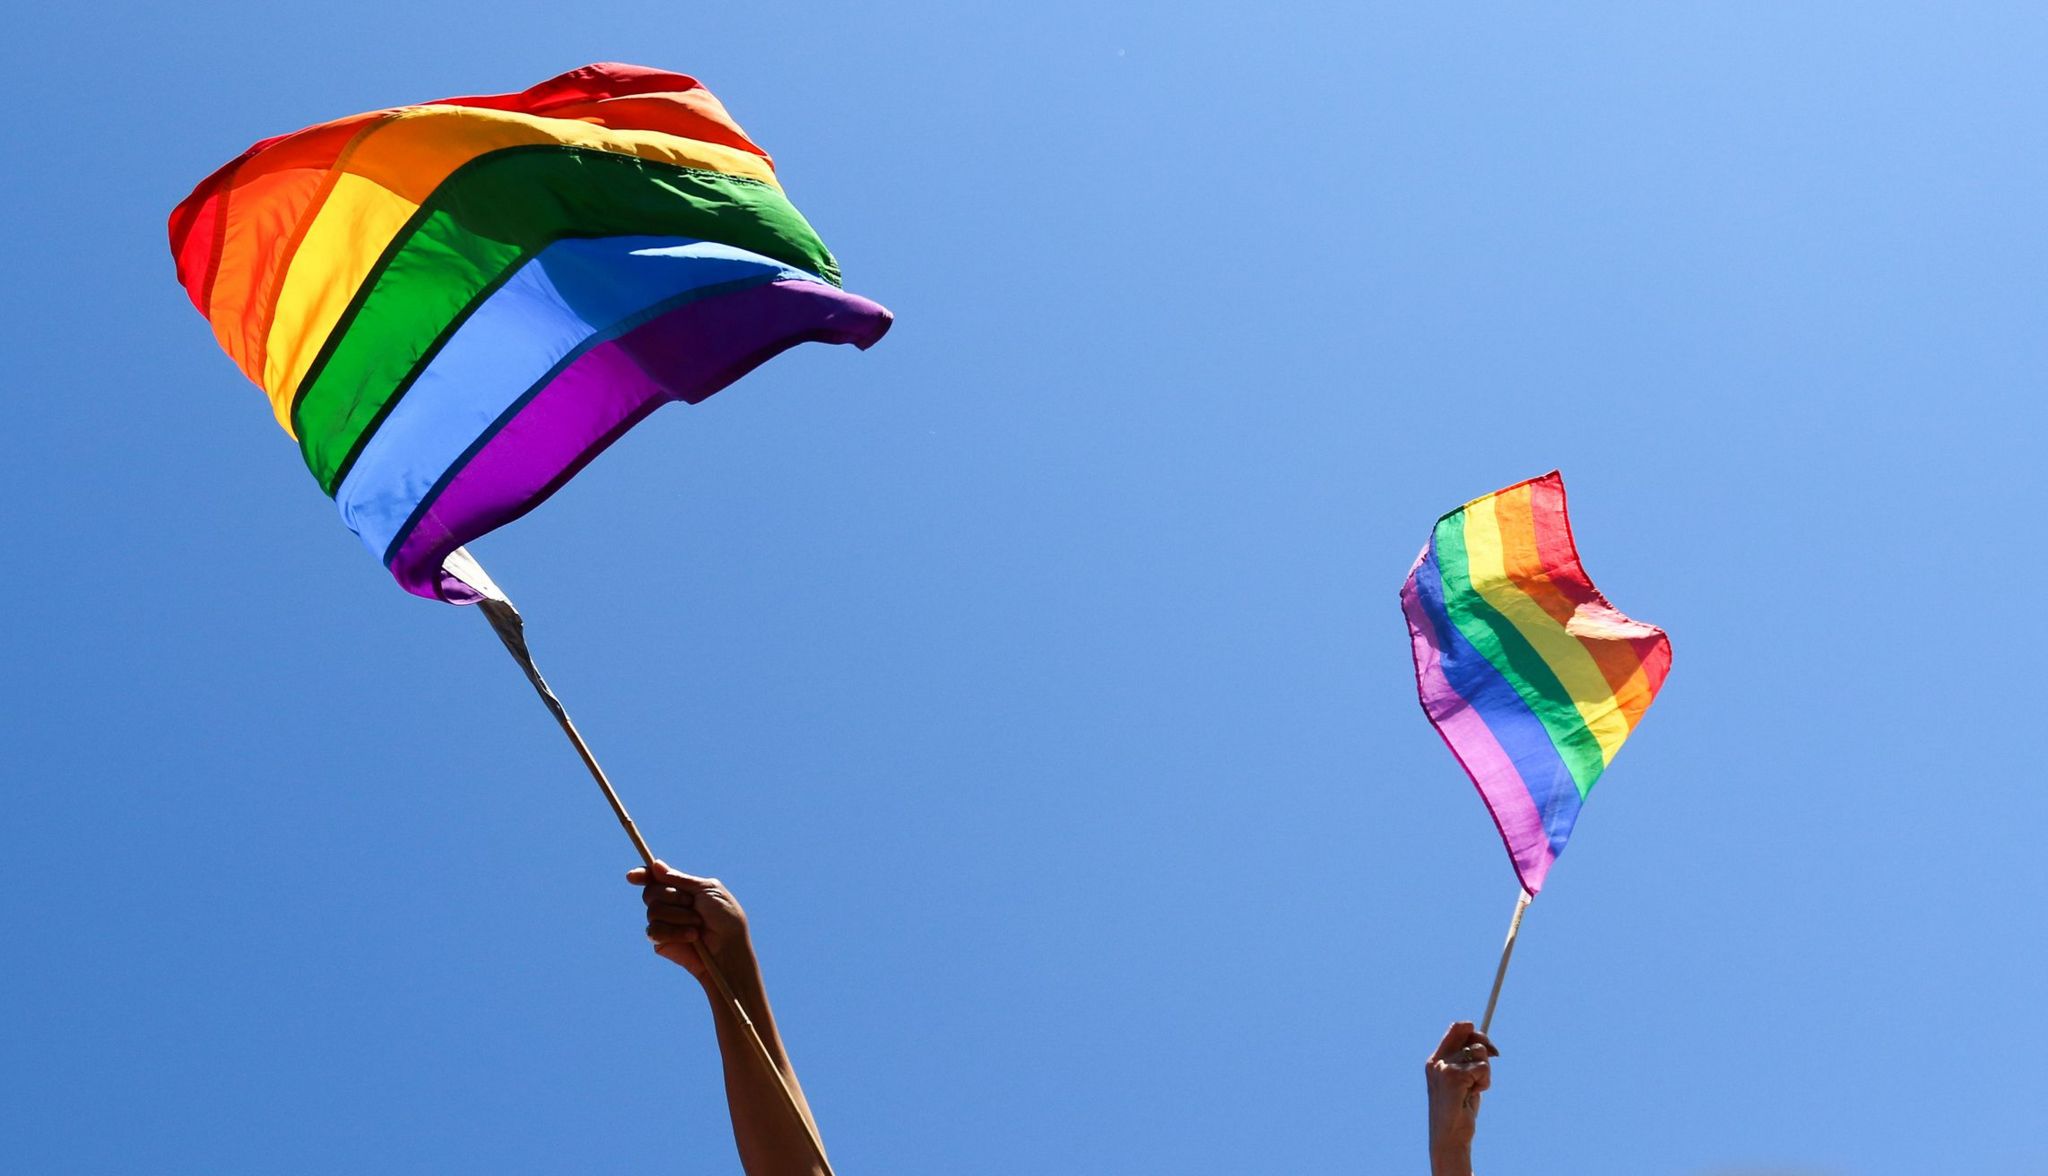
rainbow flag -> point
(454, 306)
(1530, 676)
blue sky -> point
(1037, 678)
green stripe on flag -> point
(1496, 637)
(484, 221)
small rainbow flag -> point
(1530, 676)
(453, 306)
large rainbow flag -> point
(1530, 676)
(454, 306)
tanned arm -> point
(689, 918)
(1457, 1074)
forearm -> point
(771, 1140)
(1451, 1126)
(1450, 1159)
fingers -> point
(671, 900)
(1459, 1067)
(1464, 1045)
(658, 896)
(655, 894)
(1454, 1040)
(670, 915)
(1470, 1066)
(687, 916)
(660, 871)
(667, 875)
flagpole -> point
(1507, 949)
(511, 629)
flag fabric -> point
(1530, 676)
(453, 306)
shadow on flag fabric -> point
(1530, 676)
(454, 306)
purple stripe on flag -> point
(686, 355)
(1479, 753)
(573, 296)
(1541, 779)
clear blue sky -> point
(1037, 678)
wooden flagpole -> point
(1507, 949)
(511, 629)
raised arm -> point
(688, 918)
(1457, 1073)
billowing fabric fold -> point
(1532, 678)
(454, 306)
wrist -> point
(736, 964)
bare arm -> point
(1457, 1073)
(687, 918)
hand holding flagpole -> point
(511, 630)
(1531, 677)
